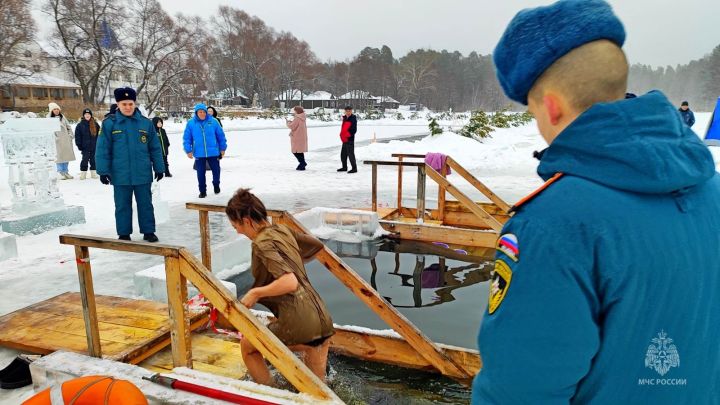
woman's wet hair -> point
(245, 204)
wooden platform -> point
(130, 330)
(211, 353)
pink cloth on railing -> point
(436, 161)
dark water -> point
(444, 297)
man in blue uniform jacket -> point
(127, 152)
(606, 287)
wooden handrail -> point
(459, 169)
(296, 372)
(464, 173)
(180, 266)
(393, 163)
(408, 155)
(464, 199)
(155, 249)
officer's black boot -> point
(124, 237)
(150, 237)
(202, 194)
(216, 189)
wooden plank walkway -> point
(211, 353)
(130, 330)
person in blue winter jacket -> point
(606, 287)
(686, 113)
(204, 140)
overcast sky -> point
(660, 32)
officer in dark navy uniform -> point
(128, 151)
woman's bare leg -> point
(255, 363)
(315, 357)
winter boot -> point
(67, 175)
(150, 237)
(202, 195)
(93, 174)
(16, 375)
(124, 237)
(216, 189)
(83, 175)
(167, 173)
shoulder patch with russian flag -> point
(508, 245)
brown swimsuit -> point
(302, 317)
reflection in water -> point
(430, 269)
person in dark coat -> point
(128, 151)
(113, 110)
(347, 136)
(86, 133)
(687, 115)
(212, 111)
(164, 142)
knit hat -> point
(684, 103)
(125, 93)
(52, 106)
(87, 111)
(537, 37)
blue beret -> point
(125, 93)
(537, 37)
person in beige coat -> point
(298, 136)
(63, 142)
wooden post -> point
(205, 239)
(374, 187)
(179, 321)
(441, 193)
(87, 297)
(421, 195)
(400, 186)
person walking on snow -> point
(686, 113)
(164, 142)
(298, 136)
(204, 140)
(347, 136)
(63, 142)
(86, 134)
(128, 151)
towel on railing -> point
(436, 161)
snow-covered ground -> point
(258, 157)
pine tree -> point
(478, 127)
(435, 128)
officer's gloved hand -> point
(105, 179)
(159, 176)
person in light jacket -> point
(63, 142)
(298, 136)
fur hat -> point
(537, 37)
(125, 93)
(52, 106)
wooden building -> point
(33, 93)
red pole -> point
(205, 391)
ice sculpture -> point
(29, 151)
